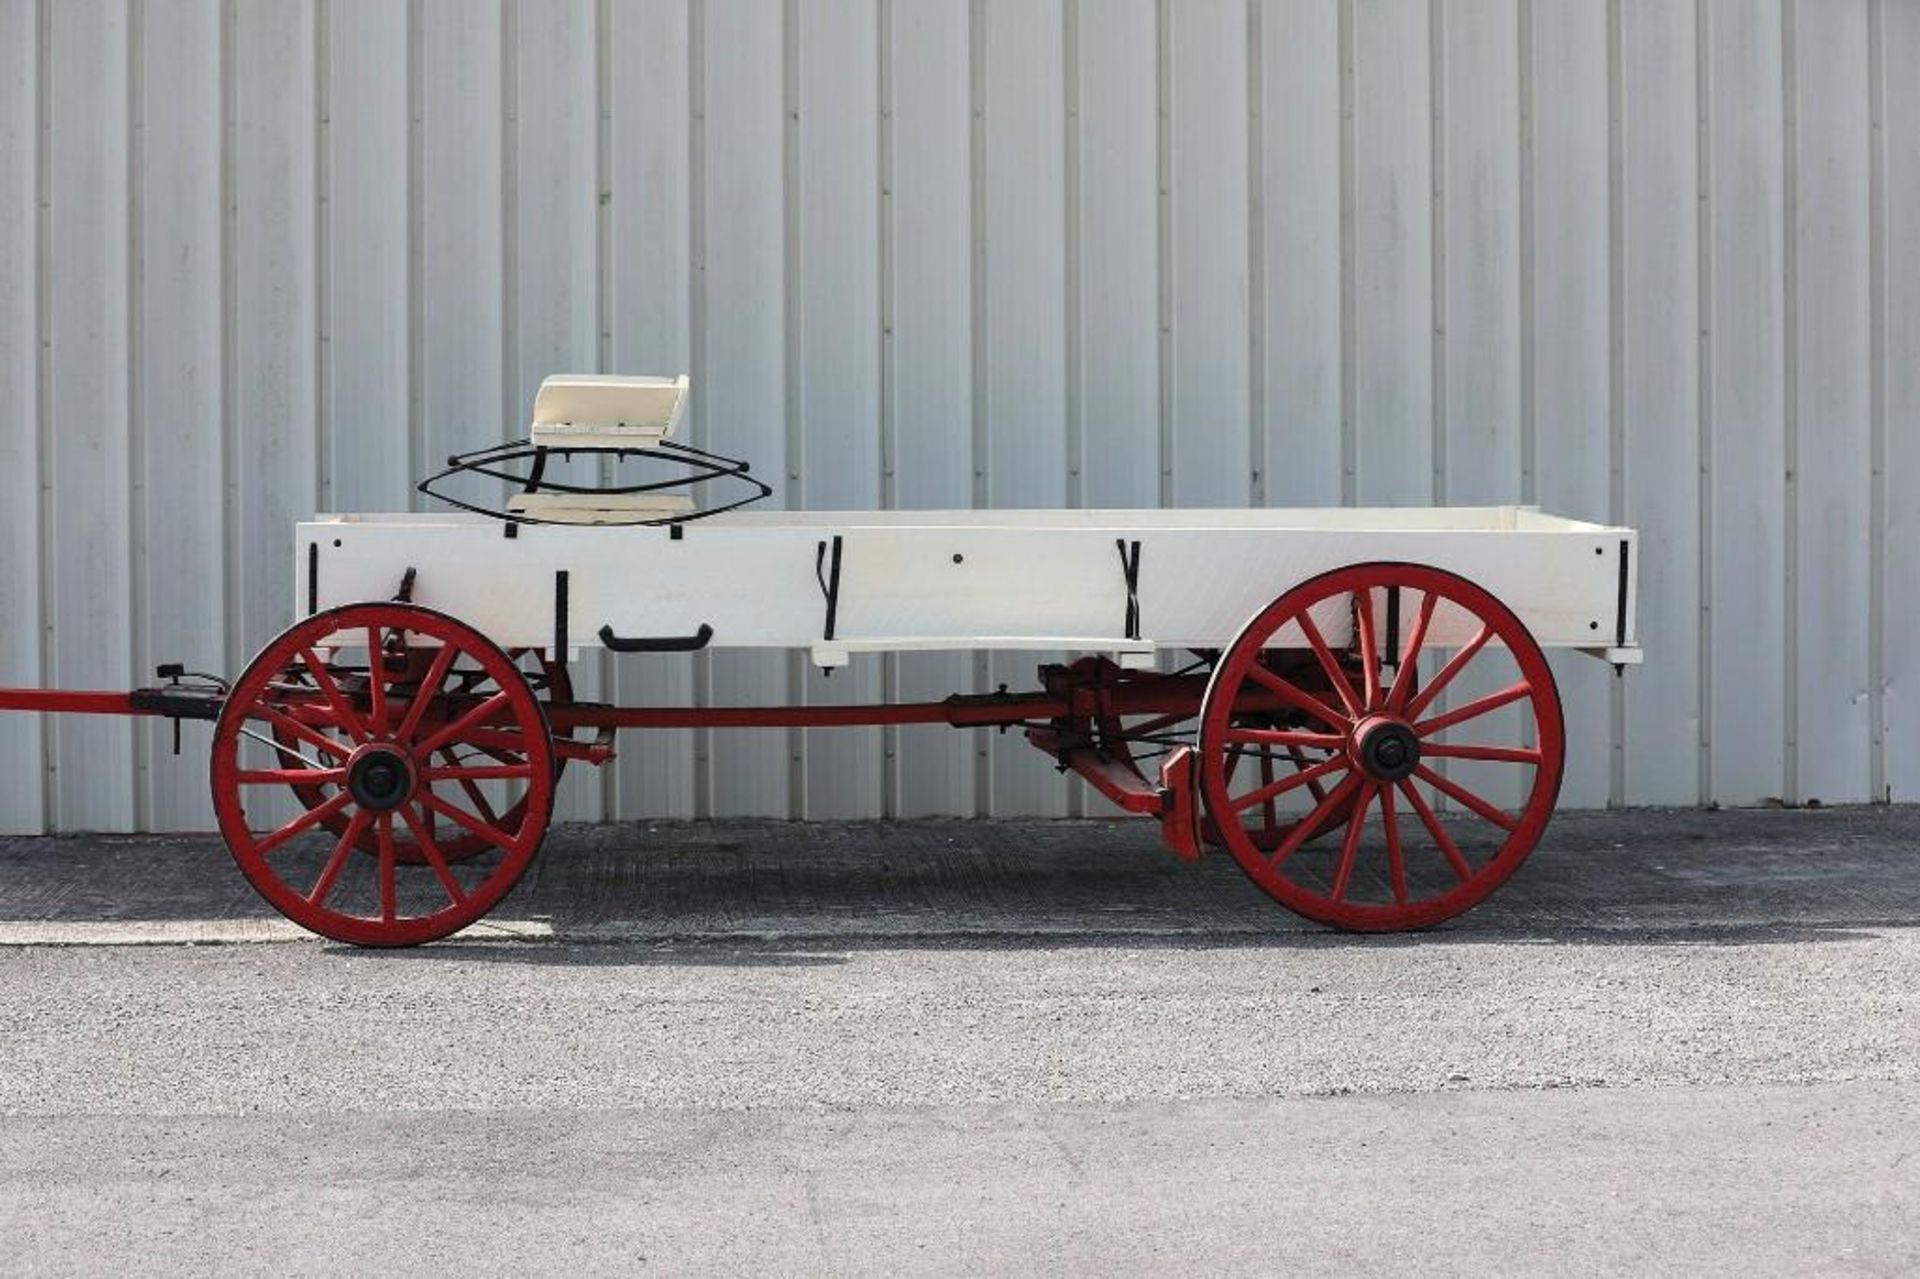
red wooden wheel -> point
(1441, 788)
(443, 710)
(456, 843)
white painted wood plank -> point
(1480, 320)
(742, 412)
(651, 295)
(1747, 725)
(1900, 154)
(461, 228)
(1572, 342)
(1392, 254)
(22, 759)
(1025, 212)
(554, 254)
(1300, 162)
(1118, 256)
(1661, 351)
(838, 346)
(178, 392)
(91, 623)
(364, 229)
(272, 336)
(1211, 347)
(1832, 471)
(932, 356)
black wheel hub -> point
(379, 779)
(1389, 751)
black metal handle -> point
(661, 644)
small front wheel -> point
(414, 733)
(1440, 786)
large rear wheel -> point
(1441, 787)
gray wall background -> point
(1648, 261)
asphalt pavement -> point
(1676, 1042)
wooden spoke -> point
(1311, 822)
(1273, 790)
(377, 683)
(1294, 696)
(1286, 737)
(330, 873)
(1459, 793)
(305, 732)
(388, 889)
(1493, 754)
(1474, 709)
(1396, 862)
(1369, 648)
(471, 720)
(1424, 698)
(342, 709)
(292, 776)
(454, 813)
(423, 695)
(1330, 665)
(477, 773)
(1350, 847)
(306, 821)
(423, 835)
(1438, 832)
(1404, 679)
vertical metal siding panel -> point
(1479, 316)
(839, 348)
(1393, 243)
(744, 402)
(271, 338)
(22, 759)
(1481, 319)
(90, 592)
(461, 227)
(932, 384)
(1300, 121)
(1747, 431)
(179, 390)
(1833, 471)
(651, 333)
(556, 321)
(1572, 341)
(1900, 155)
(1208, 203)
(1026, 323)
(365, 230)
(1119, 246)
(1661, 350)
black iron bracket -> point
(1130, 570)
(828, 575)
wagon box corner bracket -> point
(1354, 704)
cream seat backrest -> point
(606, 411)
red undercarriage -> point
(1092, 691)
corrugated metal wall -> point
(1657, 262)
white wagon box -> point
(907, 580)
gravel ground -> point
(1677, 1042)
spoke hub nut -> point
(1386, 749)
(379, 778)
